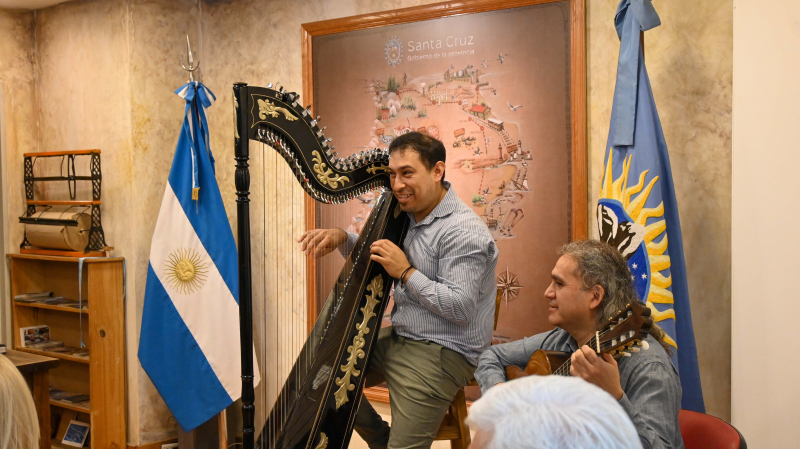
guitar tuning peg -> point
(269, 85)
(645, 345)
(318, 118)
(635, 349)
(626, 354)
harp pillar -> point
(242, 155)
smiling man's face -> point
(417, 189)
(571, 306)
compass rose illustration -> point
(508, 285)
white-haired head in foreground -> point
(550, 412)
(19, 426)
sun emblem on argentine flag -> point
(185, 271)
(622, 221)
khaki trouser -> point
(423, 377)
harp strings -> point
(287, 350)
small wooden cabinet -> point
(101, 326)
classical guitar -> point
(619, 336)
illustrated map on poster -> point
(494, 88)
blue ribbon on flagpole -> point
(198, 97)
(632, 17)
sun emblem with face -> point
(185, 271)
(640, 234)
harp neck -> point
(276, 118)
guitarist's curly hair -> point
(601, 264)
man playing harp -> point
(444, 295)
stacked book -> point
(49, 299)
(66, 396)
(38, 337)
(33, 297)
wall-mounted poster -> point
(502, 85)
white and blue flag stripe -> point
(189, 342)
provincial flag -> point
(189, 341)
(637, 211)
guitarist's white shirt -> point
(651, 384)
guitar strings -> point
(564, 368)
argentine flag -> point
(189, 342)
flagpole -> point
(641, 43)
(242, 154)
(222, 425)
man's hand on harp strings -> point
(320, 242)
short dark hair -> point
(430, 150)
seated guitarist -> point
(591, 283)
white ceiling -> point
(28, 4)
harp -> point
(316, 407)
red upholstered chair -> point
(701, 431)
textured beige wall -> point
(689, 60)
(19, 103)
(106, 71)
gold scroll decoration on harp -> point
(378, 168)
(265, 108)
(323, 441)
(325, 174)
(356, 349)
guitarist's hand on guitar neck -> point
(599, 369)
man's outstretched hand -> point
(319, 242)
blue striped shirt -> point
(450, 298)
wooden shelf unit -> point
(102, 375)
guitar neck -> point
(563, 370)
